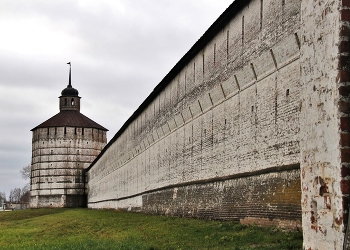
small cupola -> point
(69, 99)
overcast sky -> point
(119, 49)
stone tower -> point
(62, 148)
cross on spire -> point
(70, 81)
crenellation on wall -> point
(220, 59)
(290, 14)
(252, 29)
(190, 79)
(235, 44)
(273, 13)
(208, 61)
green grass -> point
(111, 229)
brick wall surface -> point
(323, 151)
(264, 199)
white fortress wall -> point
(252, 124)
(233, 109)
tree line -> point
(19, 195)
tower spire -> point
(70, 81)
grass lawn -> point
(111, 229)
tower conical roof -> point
(70, 118)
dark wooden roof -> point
(70, 118)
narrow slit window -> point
(287, 92)
(214, 53)
(227, 43)
(194, 72)
(203, 64)
(261, 13)
(243, 30)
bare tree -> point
(25, 172)
(18, 195)
(11, 196)
(2, 197)
(25, 194)
(15, 195)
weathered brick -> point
(343, 76)
(344, 31)
(346, 202)
(258, 207)
(345, 171)
(345, 186)
(346, 3)
(344, 46)
(345, 123)
(345, 154)
(345, 14)
(344, 91)
(345, 139)
(344, 63)
(344, 106)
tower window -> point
(65, 101)
(72, 101)
(65, 130)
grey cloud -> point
(118, 57)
